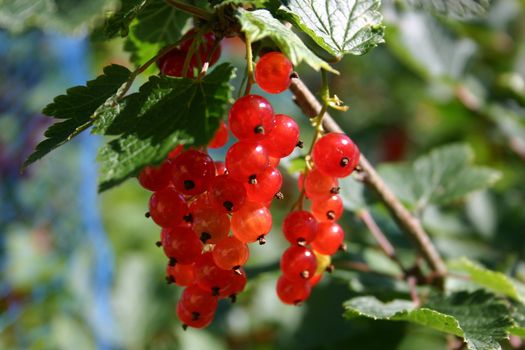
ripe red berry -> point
(318, 185)
(193, 319)
(220, 168)
(205, 48)
(298, 263)
(251, 118)
(195, 299)
(299, 227)
(180, 274)
(329, 238)
(172, 64)
(230, 253)
(211, 277)
(246, 158)
(335, 155)
(273, 72)
(226, 194)
(251, 223)
(192, 172)
(237, 284)
(281, 141)
(181, 244)
(221, 136)
(175, 152)
(329, 209)
(155, 178)
(167, 207)
(211, 225)
(264, 186)
(293, 292)
(273, 161)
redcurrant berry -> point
(192, 319)
(230, 253)
(251, 117)
(329, 209)
(155, 178)
(172, 64)
(273, 72)
(195, 299)
(211, 225)
(181, 244)
(319, 186)
(211, 277)
(226, 194)
(192, 172)
(167, 207)
(220, 168)
(299, 227)
(281, 141)
(298, 263)
(335, 155)
(245, 159)
(180, 274)
(251, 223)
(329, 238)
(220, 138)
(263, 187)
(293, 292)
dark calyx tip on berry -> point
(189, 185)
(330, 268)
(261, 240)
(195, 316)
(147, 215)
(294, 75)
(188, 218)
(298, 302)
(343, 247)
(184, 326)
(233, 298)
(237, 269)
(344, 162)
(172, 262)
(300, 144)
(301, 242)
(204, 237)
(259, 129)
(170, 279)
(330, 214)
(305, 274)
(228, 205)
(335, 190)
(158, 244)
(279, 195)
(358, 168)
(252, 180)
(215, 291)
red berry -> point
(205, 48)
(181, 244)
(221, 136)
(264, 186)
(237, 284)
(192, 319)
(200, 202)
(211, 225)
(318, 185)
(192, 172)
(220, 168)
(315, 279)
(251, 223)
(335, 155)
(293, 292)
(230, 253)
(281, 141)
(246, 158)
(299, 227)
(172, 64)
(226, 194)
(195, 299)
(180, 274)
(175, 152)
(298, 263)
(155, 178)
(273, 72)
(329, 209)
(251, 117)
(211, 277)
(273, 161)
(167, 207)
(329, 238)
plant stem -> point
(410, 225)
(249, 66)
(192, 10)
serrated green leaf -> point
(118, 23)
(493, 280)
(339, 27)
(252, 3)
(260, 24)
(164, 113)
(441, 176)
(480, 318)
(76, 108)
(157, 26)
(454, 8)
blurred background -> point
(81, 270)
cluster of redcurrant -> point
(197, 201)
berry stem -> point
(249, 66)
(192, 10)
(410, 224)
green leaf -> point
(260, 24)
(64, 15)
(157, 26)
(493, 280)
(480, 318)
(164, 113)
(441, 176)
(454, 8)
(118, 23)
(353, 193)
(77, 107)
(339, 27)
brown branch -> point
(410, 224)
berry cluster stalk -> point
(410, 224)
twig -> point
(411, 225)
